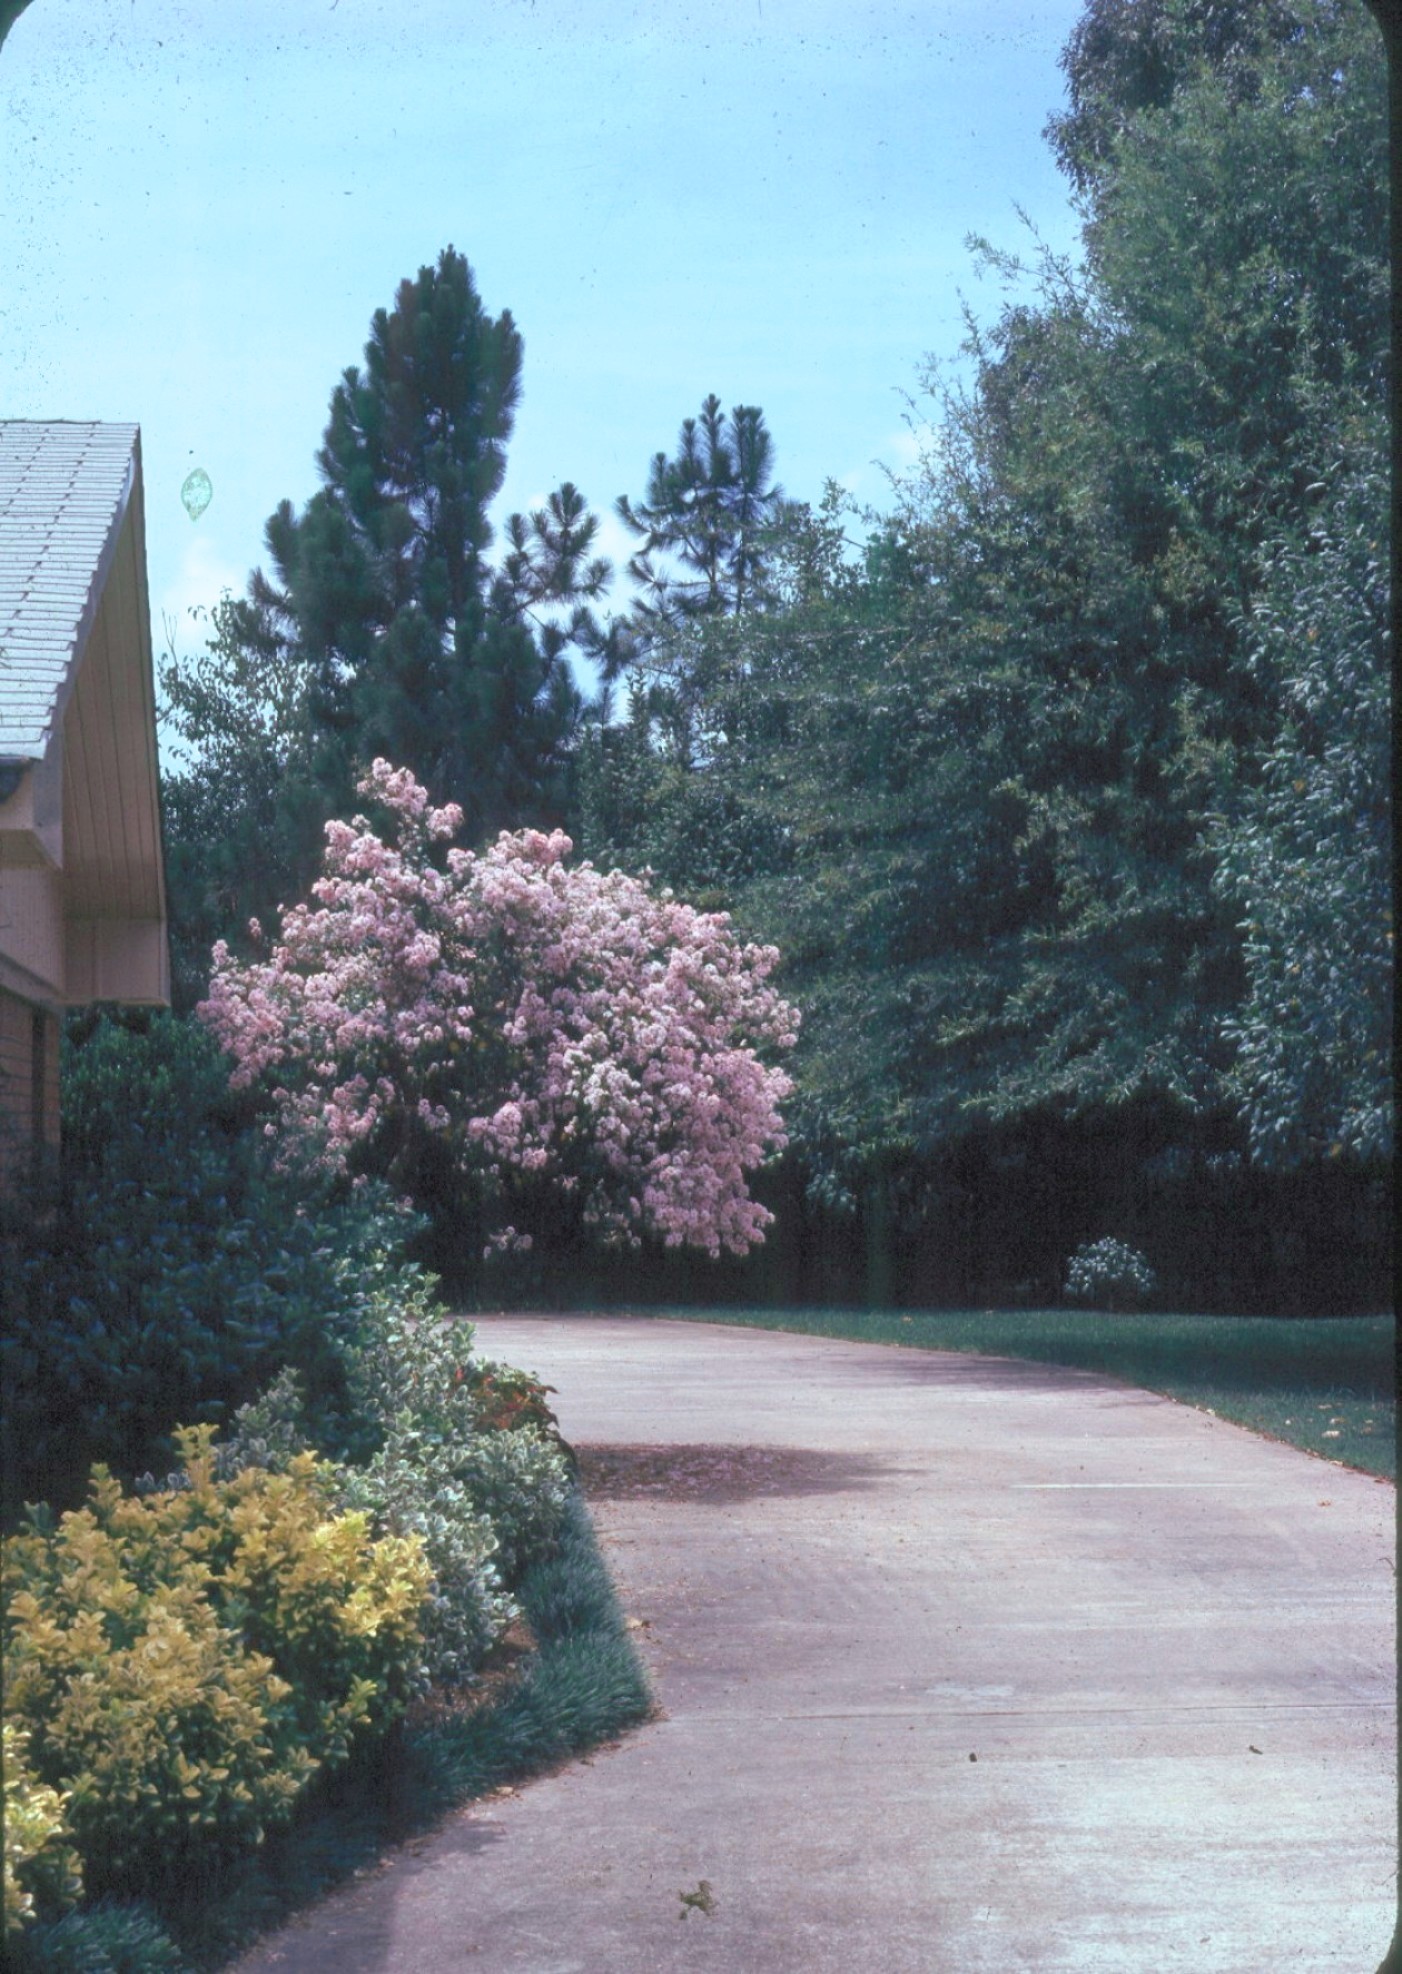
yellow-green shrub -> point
(38, 1857)
(339, 1613)
(184, 1661)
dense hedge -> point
(175, 1274)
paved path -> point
(968, 1666)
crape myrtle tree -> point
(383, 627)
(543, 1048)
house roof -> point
(64, 490)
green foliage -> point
(179, 1273)
(183, 1663)
(520, 1481)
(338, 1611)
(412, 1361)
(239, 779)
(268, 1432)
(708, 508)
(461, 1453)
(1306, 855)
(1125, 56)
(414, 1486)
(584, 1684)
(1109, 1274)
(40, 1862)
(462, 1460)
(106, 1938)
(976, 780)
(568, 1593)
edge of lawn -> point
(1324, 1385)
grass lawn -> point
(1326, 1385)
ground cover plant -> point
(1327, 1386)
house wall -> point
(29, 1116)
(111, 827)
(32, 933)
(114, 894)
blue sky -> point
(202, 204)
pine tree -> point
(417, 650)
(707, 508)
(391, 631)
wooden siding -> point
(29, 1105)
(32, 932)
(111, 822)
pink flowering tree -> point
(576, 1048)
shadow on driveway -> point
(720, 1473)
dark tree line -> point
(1064, 789)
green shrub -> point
(268, 1432)
(1109, 1275)
(184, 1662)
(569, 1592)
(585, 1681)
(337, 1611)
(521, 1483)
(40, 1862)
(101, 1939)
(412, 1488)
(412, 1361)
(178, 1274)
(483, 1501)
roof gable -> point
(64, 492)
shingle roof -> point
(64, 490)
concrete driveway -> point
(966, 1665)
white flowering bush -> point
(1108, 1274)
(486, 1499)
(521, 1482)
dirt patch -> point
(718, 1473)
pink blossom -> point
(562, 1024)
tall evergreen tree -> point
(393, 631)
(416, 651)
(707, 510)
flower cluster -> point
(560, 1028)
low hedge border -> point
(583, 1684)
